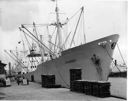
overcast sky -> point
(102, 18)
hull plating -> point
(80, 57)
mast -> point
(58, 25)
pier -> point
(34, 91)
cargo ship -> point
(88, 61)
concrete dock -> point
(34, 91)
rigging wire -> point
(76, 26)
(29, 36)
(29, 61)
(121, 55)
(84, 28)
(13, 59)
(112, 60)
(49, 36)
(54, 50)
(17, 60)
(55, 41)
(24, 50)
(34, 39)
(73, 15)
(10, 56)
(55, 45)
(35, 30)
(28, 43)
(66, 39)
(37, 39)
(53, 31)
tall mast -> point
(58, 24)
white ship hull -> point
(79, 57)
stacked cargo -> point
(95, 88)
(77, 86)
(48, 81)
(82, 86)
(87, 87)
(101, 89)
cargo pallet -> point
(94, 88)
(48, 81)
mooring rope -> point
(121, 54)
(112, 60)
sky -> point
(102, 18)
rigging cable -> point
(54, 45)
(55, 41)
(35, 30)
(29, 35)
(73, 15)
(24, 50)
(17, 59)
(27, 40)
(29, 62)
(11, 56)
(112, 60)
(76, 26)
(121, 55)
(84, 28)
(29, 46)
(66, 39)
(19, 63)
(54, 31)
(37, 40)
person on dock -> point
(18, 81)
(27, 82)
